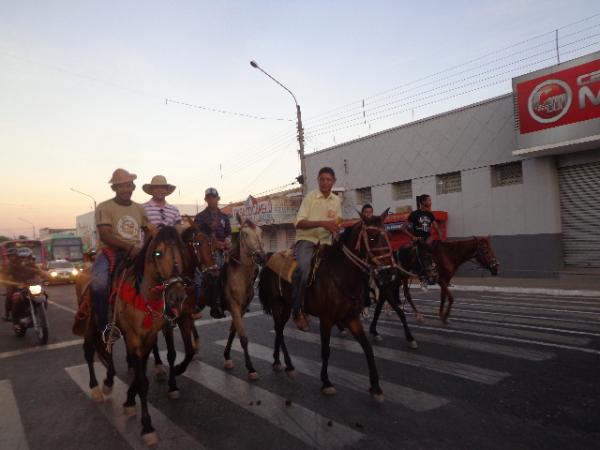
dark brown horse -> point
(335, 295)
(155, 279)
(200, 253)
(448, 257)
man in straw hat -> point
(158, 211)
(119, 222)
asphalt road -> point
(509, 371)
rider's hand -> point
(331, 226)
(219, 245)
(133, 251)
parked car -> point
(62, 271)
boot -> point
(300, 321)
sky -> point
(84, 86)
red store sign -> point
(560, 98)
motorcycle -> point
(29, 305)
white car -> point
(62, 271)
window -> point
(402, 190)
(273, 241)
(290, 237)
(507, 174)
(363, 196)
(448, 182)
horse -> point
(448, 256)
(239, 275)
(200, 253)
(335, 294)
(141, 308)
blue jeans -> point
(304, 251)
(100, 287)
(199, 276)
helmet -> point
(24, 252)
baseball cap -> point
(211, 191)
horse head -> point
(485, 255)
(250, 240)
(200, 244)
(165, 263)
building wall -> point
(523, 219)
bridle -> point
(195, 244)
(253, 253)
(371, 262)
(482, 255)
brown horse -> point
(335, 294)
(448, 257)
(238, 287)
(160, 265)
(200, 254)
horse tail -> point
(265, 289)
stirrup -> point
(111, 334)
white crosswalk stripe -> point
(169, 434)
(12, 435)
(310, 427)
(411, 358)
(410, 398)
(471, 344)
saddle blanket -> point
(283, 264)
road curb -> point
(525, 290)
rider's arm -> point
(406, 229)
(303, 223)
(110, 238)
(436, 227)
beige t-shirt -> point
(126, 221)
(316, 207)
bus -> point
(64, 247)
(39, 252)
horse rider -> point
(419, 224)
(21, 268)
(217, 223)
(318, 218)
(158, 211)
(120, 222)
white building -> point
(523, 167)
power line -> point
(223, 111)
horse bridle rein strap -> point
(363, 238)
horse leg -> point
(236, 315)
(227, 352)
(195, 336)
(450, 302)
(186, 326)
(148, 433)
(107, 360)
(88, 352)
(171, 356)
(357, 331)
(443, 293)
(327, 388)
(373, 327)
(160, 373)
(408, 297)
(409, 337)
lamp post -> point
(30, 223)
(93, 237)
(299, 123)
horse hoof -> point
(97, 394)
(420, 318)
(160, 373)
(106, 390)
(413, 344)
(378, 398)
(253, 376)
(328, 391)
(174, 395)
(129, 411)
(150, 438)
(291, 374)
(277, 368)
(228, 364)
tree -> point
(4, 238)
(22, 236)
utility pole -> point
(302, 177)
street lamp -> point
(93, 237)
(30, 223)
(87, 195)
(300, 129)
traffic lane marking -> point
(12, 435)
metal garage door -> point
(580, 214)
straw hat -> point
(158, 180)
(120, 176)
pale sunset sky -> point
(83, 86)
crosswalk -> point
(488, 336)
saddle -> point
(284, 264)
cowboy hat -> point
(158, 180)
(120, 176)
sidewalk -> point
(573, 285)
